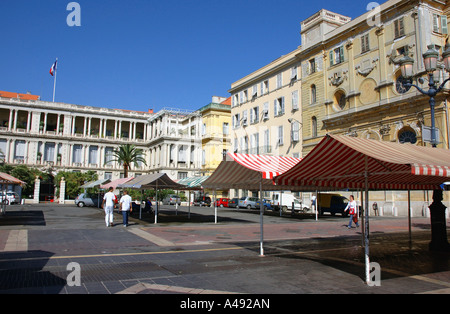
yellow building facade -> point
(216, 123)
(354, 87)
(357, 91)
(347, 77)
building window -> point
(225, 128)
(365, 43)
(312, 66)
(255, 91)
(399, 28)
(407, 135)
(337, 55)
(279, 80)
(236, 121)
(313, 94)
(295, 100)
(19, 153)
(295, 136)
(314, 127)
(280, 135)
(340, 100)
(254, 115)
(399, 87)
(264, 87)
(294, 73)
(278, 106)
(440, 24)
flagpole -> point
(54, 80)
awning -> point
(115, 183)
(95, 184)
(9, 179)
(340, 162)
(244, 171)
(151, 181)
(193, 183)
(356, 163)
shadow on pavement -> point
(23, 217)
(24, 273)
(394, 252)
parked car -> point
(332, 203)
(222, 202)
(267, 204)
(203, 201)
(172, 199)
(10, 198)
(85, 199)
(248, 202)
(233, 203)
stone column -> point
(62, 190)
(37, 187)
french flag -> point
(53, 68)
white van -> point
(284, 201)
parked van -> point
(284, 202)
(332, 203)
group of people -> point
(124, 206)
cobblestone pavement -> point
(196, 256)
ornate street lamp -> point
(430, 58)
(439, 240)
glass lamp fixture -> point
(446, 57)
(406, 66)
(430, 58)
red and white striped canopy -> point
(342, 161)
(244, 171)
(269, 166)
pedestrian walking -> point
(352, 211)
(125, 207)
(375, 208)
(108, 206)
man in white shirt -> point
(108, 206)
(125, 207)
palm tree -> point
(128, 154)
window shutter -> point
(401, 28)
(444, 25)
(435, 23)
(275, 109)
(331, 58)
(341, 52)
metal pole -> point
(366, 224)
(261, 219)
(409, 217)
(433, 123)
(215, 207)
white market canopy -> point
(151, 181)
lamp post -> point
(437, 209)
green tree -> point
(128, 154)
(74, 181)
(25, 174)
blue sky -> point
(146, 54)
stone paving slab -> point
(301, 255)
